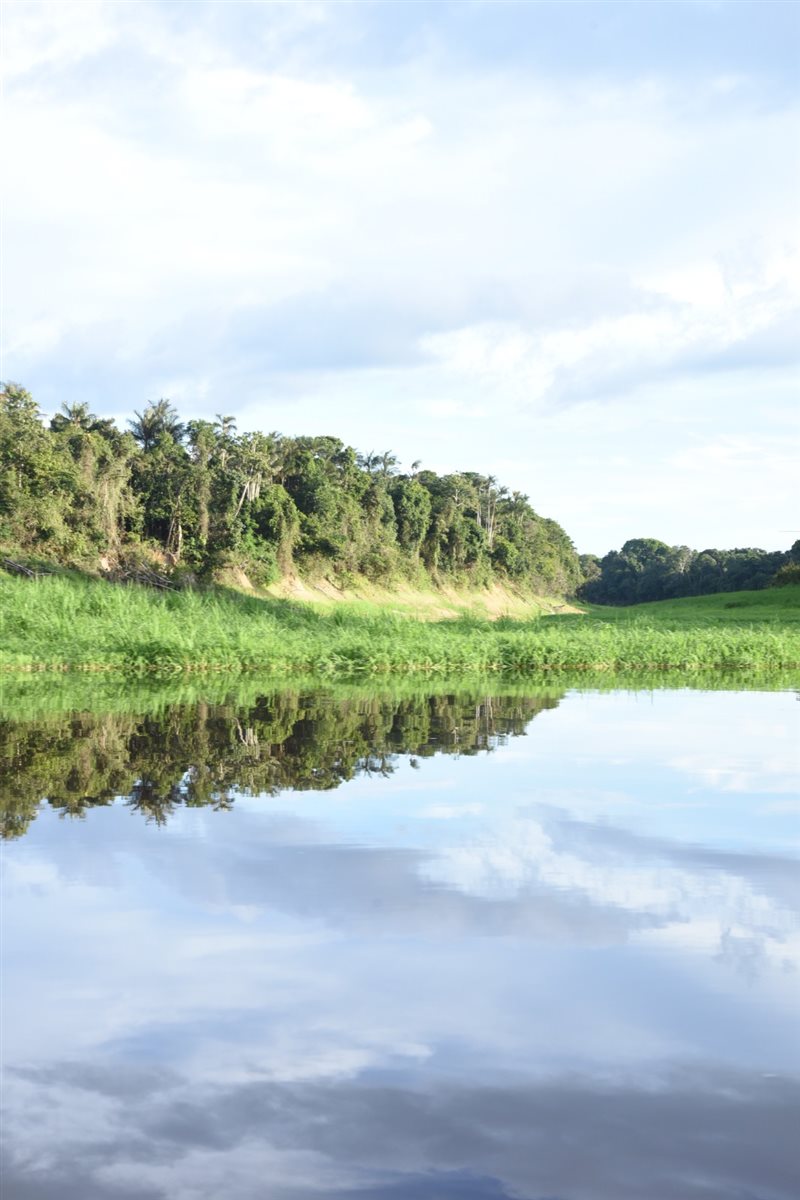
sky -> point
(557, 243)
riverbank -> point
(77, 624)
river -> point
(541, 945)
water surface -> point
(542, 947)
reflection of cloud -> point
(720, 743)
(738, 773)
(395, 890)
(663, 883)
(448, 812)
(380, 1020)
(539, 874)
(291, 865)
(707, 1133)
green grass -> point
(74, 623)
(778, 605)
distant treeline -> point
(207, 497)
(647, 569)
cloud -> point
(703, 1132)
(683, 319)
(435, 227)
(739, 454)
(243, 188)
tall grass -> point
(73, 623)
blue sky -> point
(554, 242)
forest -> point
(202, 497)
(648, 569)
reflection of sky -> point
(568, 968)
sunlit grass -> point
(64, 623)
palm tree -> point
(368, 462)
(158, 418)
(77, 415)
(387, 462)
(225, 426)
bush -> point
(789, 573)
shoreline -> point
(60, 625)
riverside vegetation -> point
(65, 622)
(197, 506)
(206, 501)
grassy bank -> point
(79, 624)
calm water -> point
(539, 948)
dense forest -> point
(200, 497)
(647, 569)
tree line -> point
(648, 569)
(204, 497)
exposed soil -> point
(437, 604)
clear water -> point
(544, 949)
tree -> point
(210, 496)
(159, 419)
(387, 463)
(73, 416)
(412, 505)
(202, 436)
(590, 567)
(225, 428)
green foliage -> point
(276, 521)
(64, 492)
(590, 568)
(158, 420)
(647, 569)
(205, 496)
(787, 575)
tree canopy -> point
(207, 496)
(647, 569)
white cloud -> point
(272, 109)
(39, 35)
(734, 454)
(178, 201)
(698, 312)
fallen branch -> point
(146, 578)
(17, 568)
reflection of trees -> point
(201, 755)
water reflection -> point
(565, 969)
(202, 754)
